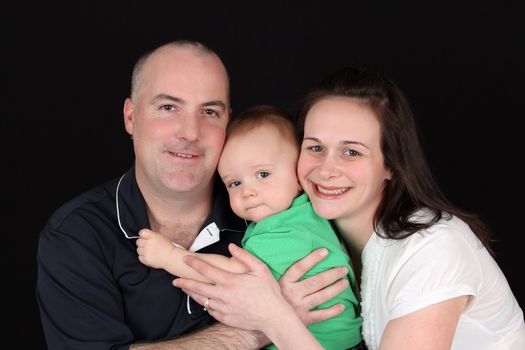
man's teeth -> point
(182, 155)
(336, 191)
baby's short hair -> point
(259, 115)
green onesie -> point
(282, 239)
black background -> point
(461, 64)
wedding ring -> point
(206, 308)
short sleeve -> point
(279, 248)
(79, 303)
(440, 265)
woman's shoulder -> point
(449, 233)
(449, 227)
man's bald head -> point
(196, 47)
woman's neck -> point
(356, 234)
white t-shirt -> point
(442, 262)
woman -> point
(428, 279)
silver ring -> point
(206, 303)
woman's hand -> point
(305, 294)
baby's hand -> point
(153, 249)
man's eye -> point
(211, 112)
(168, 108)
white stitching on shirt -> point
(118, 211)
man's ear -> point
(129, 107)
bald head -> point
(179, 106)
(173, 50)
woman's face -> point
(341, 165)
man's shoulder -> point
(97, 202)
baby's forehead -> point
(270, 131)
(254, 144)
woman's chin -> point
(326, 213)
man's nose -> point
(189, 127)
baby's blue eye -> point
(263, 174)
(234, 184)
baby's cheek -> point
(236, 206)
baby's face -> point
(258, 168)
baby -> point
(258, 166)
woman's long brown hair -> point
(412, 186)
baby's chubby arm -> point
(157, 251)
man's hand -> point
(243, 300)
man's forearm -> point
(217, 336)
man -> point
(92, 290)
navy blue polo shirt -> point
(92, 290)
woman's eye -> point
(316, 148)
(352, 153)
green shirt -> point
(282, 239)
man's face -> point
(178, 120)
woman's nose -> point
(329, 168)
